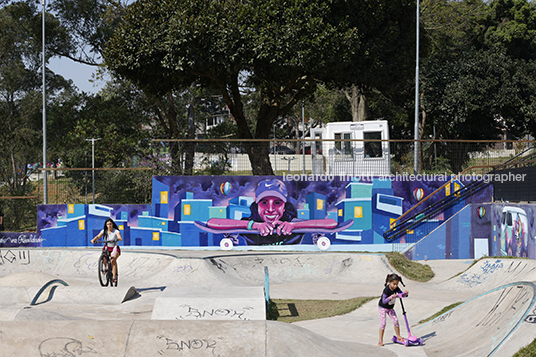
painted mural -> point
(513, 229)
(205, 211)
(24, 239)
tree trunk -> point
(190, 146)
(259, 158)
(422, 126)
(358, 104)
(258, 152)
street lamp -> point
(416, 134)
(45, 193)
(93, 165)
(303, 134)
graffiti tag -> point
(63, 346)
(201, 314)
(192, 344)
(490, 268)
(21, 257)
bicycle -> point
(105, 268)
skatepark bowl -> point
(212, 303)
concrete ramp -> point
(303, 268)
(16, 294)
(172, 338)
(89, 295)
(491, 273)
(26, 278)
(160, 269)
(481, 325)
(205, 303)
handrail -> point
(393, 224)
(452, 199)
(461, 173)
(456, 193)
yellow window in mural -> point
(163, 197)
(358, 212)
(319, 204)
(187, 210)
(340, 213)
(70, 208)
(81, 224)
(156, 235)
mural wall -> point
(201, 211)
(490, 229)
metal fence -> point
(344, 157)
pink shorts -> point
(111, 249)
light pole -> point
(303, 134)
(45, 188)
(93, 165)
(416, 134)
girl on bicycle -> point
(112, 236)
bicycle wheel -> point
(104, 271)
(110, 275)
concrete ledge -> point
(206, 303)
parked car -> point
(307, 150)
(282, 150)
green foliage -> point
(512, 24)
(408, 268)
(281, 50)
(527, 351)
(301, 310)
(124, 187)
(20, 91)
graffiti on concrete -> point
(199, 314)
(21, 257)
(473, 279)
(191, 345)
(63, 347)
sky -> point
(79, 73)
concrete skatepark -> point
(211, 303)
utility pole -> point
(45, 172)
(416, 134)
(93, 165)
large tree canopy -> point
(478, 79)
(280, 49)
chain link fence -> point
(343, 157)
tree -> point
(477, 79)
(281, 49)
(20, 89)
(512, 25)
(21, 101)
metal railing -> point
(416, 223)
